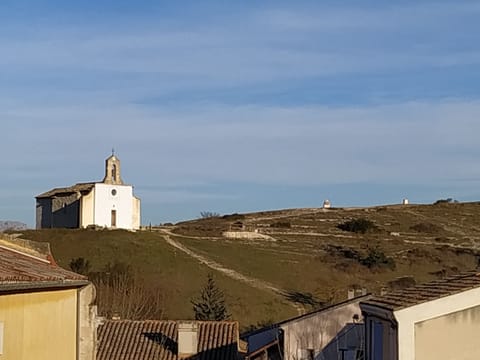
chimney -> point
(351, 294)
(187, 338)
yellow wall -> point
(452, 336)
(39, 326)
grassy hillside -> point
(308, 255)
(179, 276)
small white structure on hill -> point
(405, 202)
(109, 203)
(327, 204)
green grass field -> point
(309, 256)
(179, 276)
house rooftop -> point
(158, 339)
(80, 187)
(21, 271)
(309, 314)
(326, 308)
(422, 293)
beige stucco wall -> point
(452, 336)
(87, 322)
(407, 319)
(316, 331)
(39, 326)
(87, 209)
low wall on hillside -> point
(249, 235)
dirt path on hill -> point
(233, 274)
(189, 236)
(437, 244)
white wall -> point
(136, 213)
(105, 202)
(317, 330)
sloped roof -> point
(327, 308)
(157, 340)
(422, 293)
(20, 271)
(80, 187)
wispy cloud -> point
(264, 45)
(403, 16)
(297, 145)
(276, 94)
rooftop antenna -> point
(113, 151)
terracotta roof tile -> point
(18, 271)
(418, 294)
(157, 339)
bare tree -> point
(209, 214)
(128, 297)
(123, 293)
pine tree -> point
(211, 304)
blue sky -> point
(241, 105)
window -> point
(351, 354)
(310, 354)
(114, 218)
(306, 354)
(114, 172)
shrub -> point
(342, 251)
(281, 224)
(360, 225)
(445, 201)
(376, 258)
(233, 217)
(426, 227)
(80, 266)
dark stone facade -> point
(60, 211)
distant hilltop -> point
(12, 225)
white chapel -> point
(109, 203)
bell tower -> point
(112, 170)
